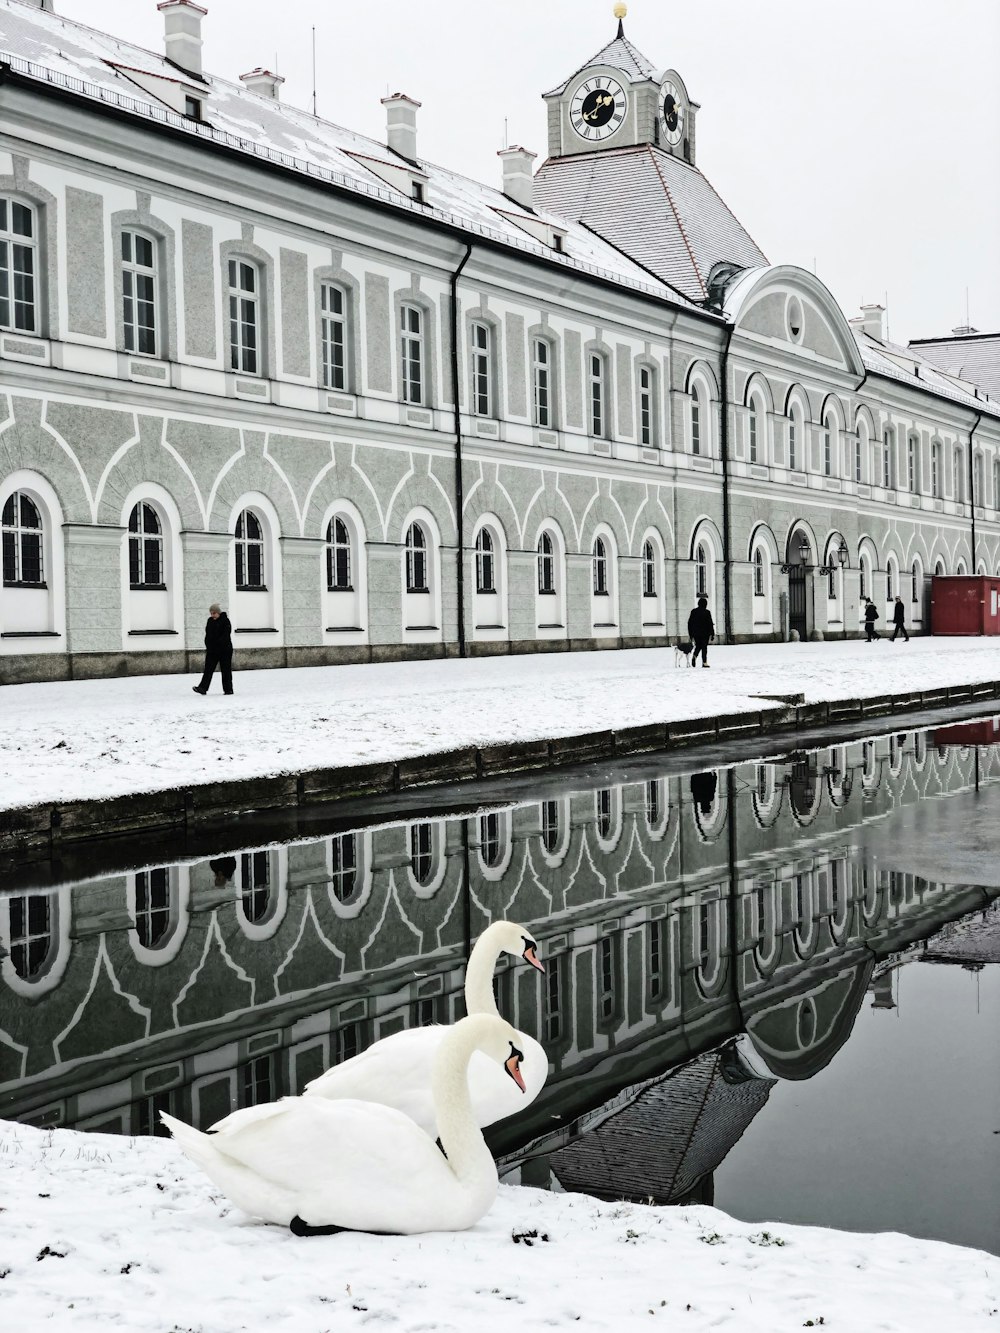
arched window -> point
(18, 266)
(485, 562)
(344, 865)
(250, 575)
(152, 906)
(541, 381)
(891, 579)
(416, 559)
(546, 564)
(411, 341)
(701, 570)
(490, 847)
(864, 575)
(551, 831)
(939, 568)
(887, 460)
(338, 556)
(333, 303)
(753, 428)
(696, 424)
(31, 933)
(23, 542)
(139, 293)
(145, 548)
(647, 405)
(598, 396)
(648, 569)
(422, 852)
(255, 886)
(759, 587)
(918, 582)
(481, 369)
(600, 568)
(244, 317)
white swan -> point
(314, 1164)
(396, 1070)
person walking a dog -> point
(701, 628)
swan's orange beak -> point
(513, 1067)
(530, 956)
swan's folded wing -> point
(395, 1071)
(246, 1115)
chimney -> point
(182, 33)
(401, 125)
(870, 321)
(517, 179)
(963, 330)
(262, 82)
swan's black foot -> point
(299, 1228)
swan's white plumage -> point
(394, 1071)
(357, 1165)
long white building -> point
(380, 410)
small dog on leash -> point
(682, 653)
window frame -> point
(486, 561)
(14, 536)
(481, 360)
(242, 549)
(335, 374)
(648, 414)
(339, 555)
(649, 563)
(417, 559)
(599, 565)
(412, 352)
(141, 543)
(132, 272)
(12, 244)
(246, 355)
(542, 383)
(547, 564)
(598, 397)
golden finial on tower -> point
(620, 10)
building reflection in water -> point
(704, 936)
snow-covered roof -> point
(909, 367)
(971, 356)
(619, 54)
(50, 49)
(659, 209)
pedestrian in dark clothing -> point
(218, 650)
(701, 629)
(898, 615)
(703, 788)
(224, 868)
(871, 615)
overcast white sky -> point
(859, 136)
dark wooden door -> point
(797, 599)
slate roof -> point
(48, 48)
(972, 356)
(619, 54)
(908, 366)
(656, 208)
(674, 1130)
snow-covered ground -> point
(93, 739)
(101, 1233)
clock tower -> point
(618, 99)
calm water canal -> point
(774, 985)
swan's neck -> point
(458, 1129)
(479, 997)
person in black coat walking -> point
(701, 628)
(871, 615)
(898, 615)
(218, 650)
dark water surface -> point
(773, 985)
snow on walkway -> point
(92, 739)
(101, 1233)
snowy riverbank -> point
(94, 739)
(99, 1232)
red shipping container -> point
(965, 604)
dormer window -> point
(557, 242)
(192, 107)
(418, 192)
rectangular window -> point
(258, 1081)
(695, 425)
(645, 405)
(827, 452)
(911, 465)
(333, 336)
(18, 266)
(541, 371)
(412, 354)
(481, 370)
(887, 463)
(753, 435)
(139, 293)
(553, 998)
(244, 318)
(597, 423)
(656, 952)
(792, 446)
(607, 977)
(857, 461)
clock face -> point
(598, 107)
(671, 113)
